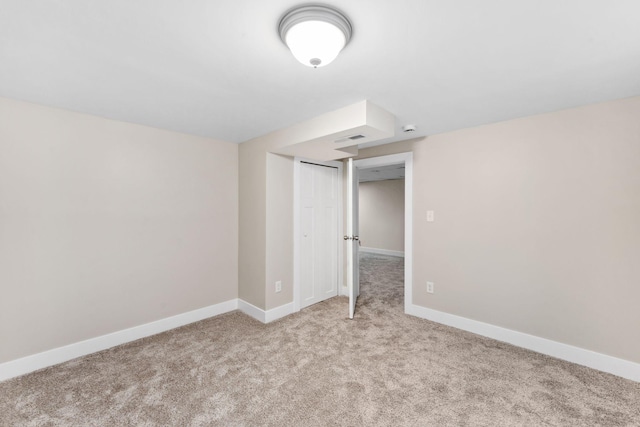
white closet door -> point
(319, 233)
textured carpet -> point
(318, 368)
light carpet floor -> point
(317, 368)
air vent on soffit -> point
(350, 138)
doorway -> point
(391, 163)
(381, 235)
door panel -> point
(319, 233)
(307, 270)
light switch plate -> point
(430, 216)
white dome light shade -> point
(315, 34)
(315, 43)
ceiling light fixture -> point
(315, 34)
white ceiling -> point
(219, 69)
(381, 173)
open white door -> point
(352, 239)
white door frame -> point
(296, 225)
(407, 159)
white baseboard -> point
(278, 312)
(602, 362)
(262, 315)
(580, 356)
(251, 310)
(382, 251)
(52, 357)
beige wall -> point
(106, 225)
(381, 220)
(266, 225)
(537, 225)
(279, 231)
(252, 220)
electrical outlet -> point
(430, 216)
(278, 286)
(430, 287)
